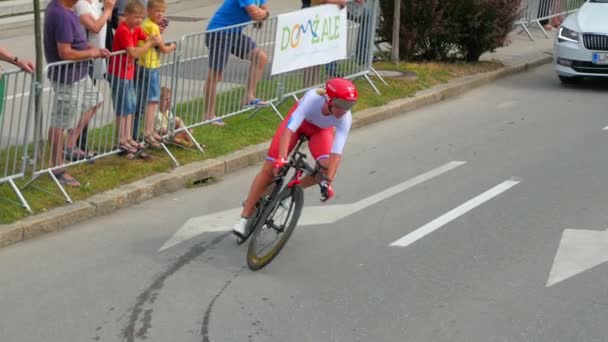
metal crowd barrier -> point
(80, 124)
(78, 120)
(535, 11)
(16, 103)
(208, 93)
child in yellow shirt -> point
(148, 71)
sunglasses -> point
(344, 104)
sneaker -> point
(239, 229)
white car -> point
(581, 47)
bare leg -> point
(123, 134)
(56, 142)
(258, 187)
(210, 92)
(128, 123)
(84, 121)
(149, 120)
(258, 60)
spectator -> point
(148, 73)
(74, 90)
(24, 65)
(94, 16)
(549, 8)
(164, 117)
(116, 17)
(222, 43)
(121, 72)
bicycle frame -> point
(298, 162)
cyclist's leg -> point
(320, 143)
(261, 181)
(265, 176)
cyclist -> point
(315, 115)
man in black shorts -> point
(223, 41)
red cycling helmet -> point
(341, 93)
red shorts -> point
(320, 139)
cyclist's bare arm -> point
(284, 145)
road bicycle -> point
(277, 213)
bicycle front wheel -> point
(275, 227)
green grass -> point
(239, 132)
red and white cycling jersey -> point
(306, 118)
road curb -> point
(187, 175)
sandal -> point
(135, 144)
(152, 142)
(64, 178)
(74, 154)
(217, 122)
(142, 154)
(127, 150)
(256, 103)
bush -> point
(440, 29)
(483, 25)
(421, 33)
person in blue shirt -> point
(222, 40)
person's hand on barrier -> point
(258, 24)
(25, 65)
(155, 40)
(103, 53)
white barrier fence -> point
(87, 113)
(16, 103)
(534, 12)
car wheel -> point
(569, 80)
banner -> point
(312, 36)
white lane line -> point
(453, 214)
(317, 215)
(605, 128)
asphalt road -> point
(509, 247)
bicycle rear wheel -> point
(275, 227)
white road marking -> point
(221, 221)
(579, 251)
(453, 214)
(605, 128)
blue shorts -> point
(123, 95)
(223, 43)
(148, 84)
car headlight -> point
(567, 35)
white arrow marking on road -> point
(579, 251)
(221, 221)
(453, 214)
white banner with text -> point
(312, 36)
